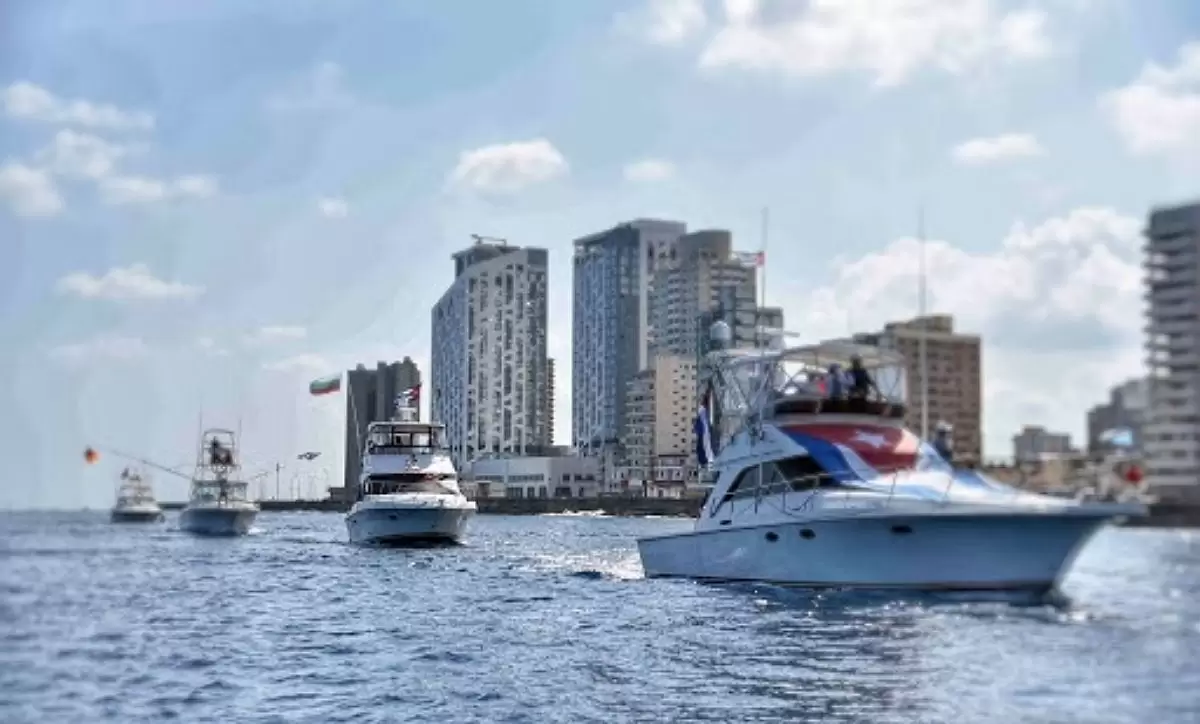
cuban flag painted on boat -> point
(861, 450)
(867, 456)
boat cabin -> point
(134, 490)
(404, 438)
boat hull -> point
(401, 525)
(136, 515)
(217, 521)
(1029, 552)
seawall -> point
(1162, 515)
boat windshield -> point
(403, 439)
(219, 491)
(396, 483)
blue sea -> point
(548, 619)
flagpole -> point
(923, 328)
(766, 220)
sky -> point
(204, 206)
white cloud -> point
(650, 169)
(508, 167)
(982, 151)
(320, 89)
(1058, 305)
(209, 346)
(80, 155)
(667, 22)
(119, 190)
(276, 333)
(105, 347)
(299, 363)
(333, 208)
(27, 101)
(888, 39)
(125, 283)
(1159, 112)
(30, 192)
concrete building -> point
(563, 475)
(1126, 408)
(658, 422)
(551, 391)
(696, 275)
(1171, 434)
(611, 334)
(1034, 443)
(955, 378)
(371, 397)
(643, 290)
(490, 372)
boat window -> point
(802, 472)
(394, 483)
(745, 484)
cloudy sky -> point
(203, 206)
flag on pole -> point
(326, 385)
(703, 430)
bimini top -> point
(820, 355)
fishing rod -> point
(90, 455)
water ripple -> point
(548, 619)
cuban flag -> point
(703, 429)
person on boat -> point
(941, 442)
(861, 383)
(835, 382)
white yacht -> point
(135, 499)
(814, 487)
(219, 503)
(408, 490)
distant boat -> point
(135, 500)
(408, 490)
(219, 503)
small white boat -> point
(219, 503)
(135, 500)
(408, 490)
(816, 490)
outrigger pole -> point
(143, 461)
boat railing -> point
(808, 485)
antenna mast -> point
(922, 327)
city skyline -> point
(191, 232)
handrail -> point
(812, 482)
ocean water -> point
(548, 619)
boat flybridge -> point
(817, 487)
(219, 503)
(135, 499)
(408, 489)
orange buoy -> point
(90, 456)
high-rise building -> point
(371, 397)
(696, 275)
(1171, 437)
(1035, 442)
(643, 290)
(1125, 409)
(955, 384)
(611, 334)
(551, 391)
(489, 366)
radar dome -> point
(720, 333)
